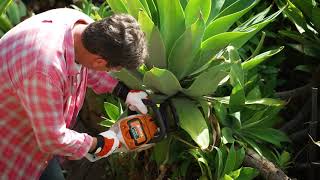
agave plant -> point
(195, 64)
(11, 14)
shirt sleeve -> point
(101, 81)
(43, 101)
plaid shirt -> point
(42, 90)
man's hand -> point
(133, 98)
(134, 101)
(107, 143)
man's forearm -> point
(94, 144)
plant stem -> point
(184, 141)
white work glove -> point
(134, 101)
(108, 143)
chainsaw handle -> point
(159, 118)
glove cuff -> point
(99, 146)
(121, 90)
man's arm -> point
(101, 81)
(42, 98)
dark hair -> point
(118, 39)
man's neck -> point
(77, 31)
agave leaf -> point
(118, 6)
(3, 5)
(157, 55)
(222, 24)
(216, 6)
(185, 49)
(208, 81)
(162, 80)
(221, 40)
(236, 6)
(154, 11)
(192, 121)
(171, 21)
(253, 20)
(253, 62)
(134, 6)
(255, 28)
(131, 80)
(194, 7)
(146, 7)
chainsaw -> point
(140, 131)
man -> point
(46, 64)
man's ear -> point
(100, 63)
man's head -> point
(117, 40)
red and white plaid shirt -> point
(41, 92)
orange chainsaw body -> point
(137, 130)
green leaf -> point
(192, 121)
(193, 9)
(253, 62)
(13, 13)
(316, 18)
(268, 134)
(255, 93)
(171, 21)
(305, 6)
(3, 5)
(117, 6)
(237, 96)
(231, 160)
(161, 151)
(254, 29)
(254, 20)
(266, 102)
(134, 6)
(222, 40)
(185, 49)
(146, 7)
(236, 6)
(107, 123)
(131, 80)
(248, 173)
(154, 11)
(157, 55)
(218, 163)
(294, 14)
(253, 144)
(162, 80)
(227, 136)
(220, 112)
(208, 81)
(112, 110)
(223, 23)
(284, 158)
(240, 153)
(215, 8)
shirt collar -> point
(72, 67)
